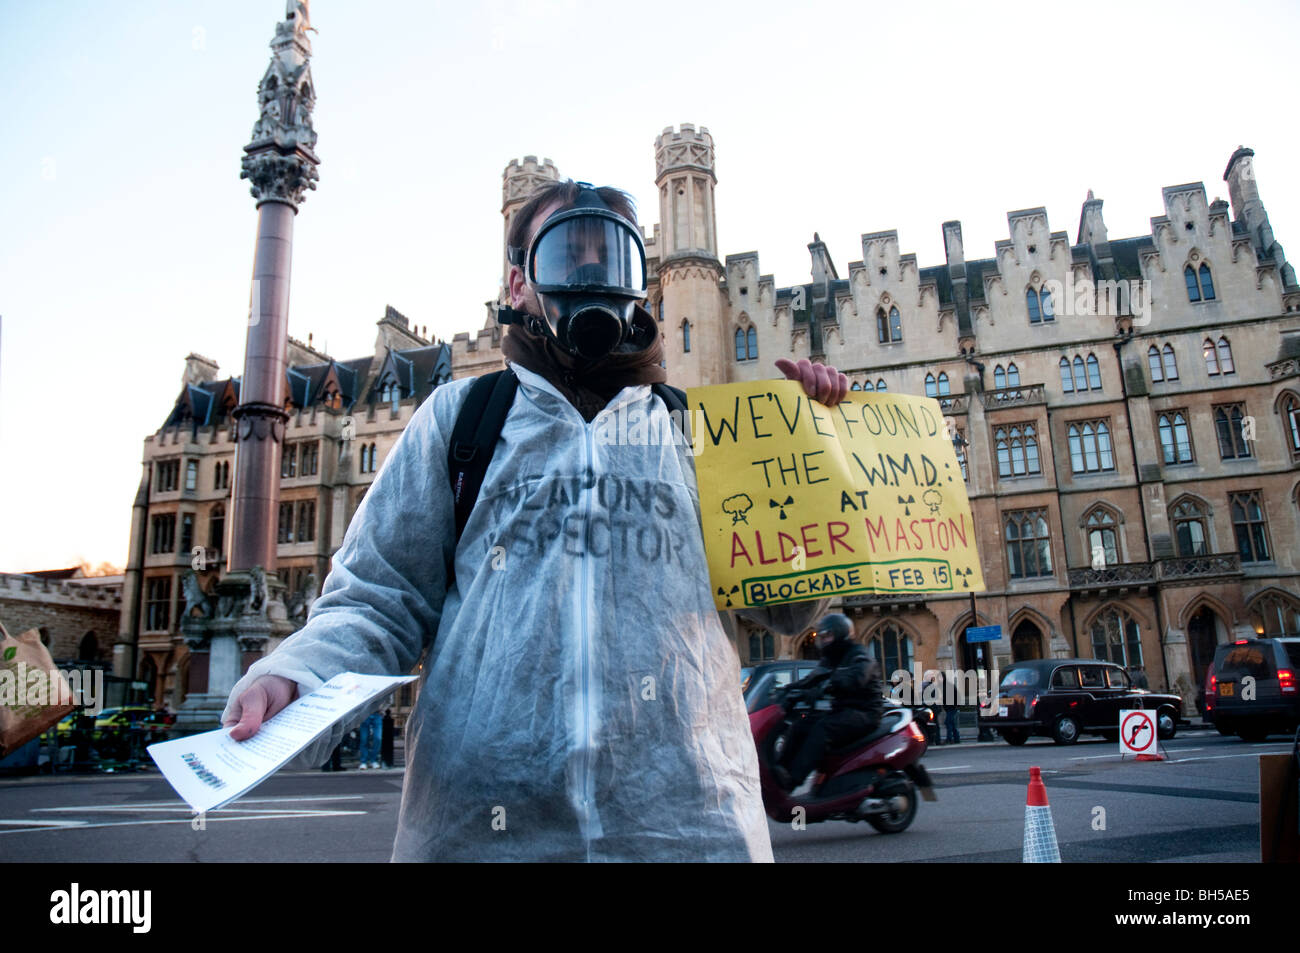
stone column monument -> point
(247, 608)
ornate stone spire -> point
(280, 161)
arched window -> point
(1225, 356)
(1102, 541)
(1094, 372)
(1117, 638)
(755, 648)
(891, 648)
(1275, 616)
(1090, 449)
(769, 646)
(880, 385)
(943, 384)
(191, 474)
(1171, 363)
(740, 344)
(999, 377)
(1227, 426)
(1211, 358)
(1067, 383)
(889, 328)
(1029, 547)
(855, 386)
(1291, 422)
(1153, 362)
(1017, 450)
(1013, 375)
(1249, 526)
(217, 527)
(931, 390)
(1207, 283)
(686, 337)
(1200, 285)
(1080, 375)
(1175, 438)
(751, 343)
(1039, 303)
(1189, 529)
(659, 309)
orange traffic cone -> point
(1040, 833)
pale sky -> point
(128, 234)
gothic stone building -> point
(1129, 408)
(344, 418)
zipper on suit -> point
(589, 816)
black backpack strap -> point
(674, 399)
(474, 439)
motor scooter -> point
(875, 778)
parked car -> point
(1268, 705)
(113, 721)
(1064, 698)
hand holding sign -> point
(820, 382)
(867, 497)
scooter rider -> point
(854, 681)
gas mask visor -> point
(587, 266)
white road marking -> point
(185, 820)
(44, 823)
(168, 805)
(235, 812)
(952, 767)
(1220, 757)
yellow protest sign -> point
(799, 501)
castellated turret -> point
(1248, 208)
(519, 181)
(689, 270)
(685, 176)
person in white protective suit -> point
(579, 695)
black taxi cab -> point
(1065, 698)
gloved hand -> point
(260, 701)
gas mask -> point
(587, 267)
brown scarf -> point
(592, 388)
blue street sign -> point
(984, 633)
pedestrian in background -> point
(949, 683)
(386, 744)
(1138, 676)
(371, 729)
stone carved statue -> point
(299, 12)
(258, 594)
(195, 597)
(301, 602)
